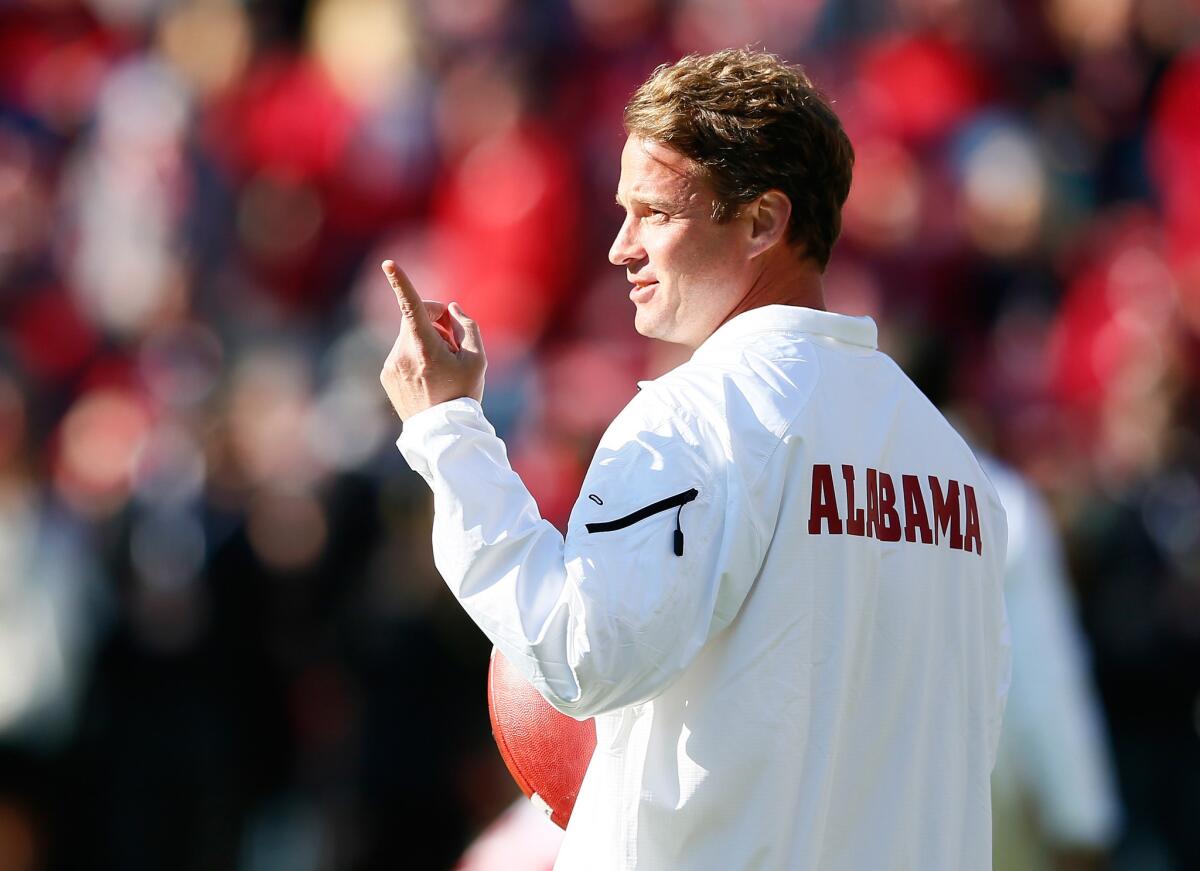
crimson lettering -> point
(855, 525)
(974, 541)
(953, 521)
(889, 521)
(872, 504)
(945, 512)
(915, 518)
(824, 502)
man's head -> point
(732, 159)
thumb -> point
(471, 339)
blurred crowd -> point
(222, 639)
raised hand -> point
(438, 355)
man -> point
(779, 593)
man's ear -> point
(769, 216)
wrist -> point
(460, 411)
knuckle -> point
(400, 364)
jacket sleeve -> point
(647, 572)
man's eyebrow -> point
(658, 205)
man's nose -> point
(625, 248)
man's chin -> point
(648, 326)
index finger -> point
(411, 305)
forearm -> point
(498, 556)
(611, 615)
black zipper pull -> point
(677, 502)
(678, 533)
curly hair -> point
(752, 123)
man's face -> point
(686, 269)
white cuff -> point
(418, 438)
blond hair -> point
(752, 123)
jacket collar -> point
(793, 319)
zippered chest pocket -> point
(677, 502)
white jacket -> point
(784, 674)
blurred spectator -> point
(1054, 797)
(50, 606)
(51, 612)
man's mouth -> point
(642, 291)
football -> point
(546, 752)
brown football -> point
(546, 752)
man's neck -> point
(782, 280)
